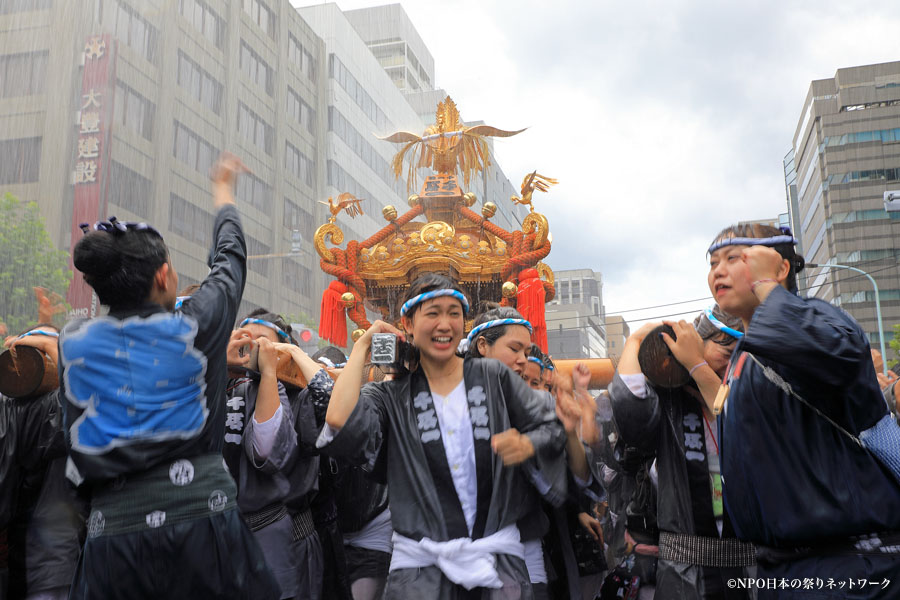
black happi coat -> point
(791, 478)
(669, 424)
(384, 429)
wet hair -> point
(535, 352)
(707, 331)
(757, 230)
(120, 266)
(265, 314)
(332, 353)
(372, 372)
(492, 334)
(427, 282)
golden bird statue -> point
(345, 202)
(446, 146)
(533, 181)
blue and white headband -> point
(38, 332)
(473, 335)
(744, 241)
(722, 326)
(537, 361)
(415, 300)
(268, 324)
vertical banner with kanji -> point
(91, 154)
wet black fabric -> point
(212, 557)
(790, 477)
(359, 497)
(383, 424)
(669, 423)
(213, 307)
(43, 514)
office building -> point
(617, 331)
(845, 154)
(120, 107)
(576, 316)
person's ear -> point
(161, 277)
(783, 271)
(407, 323)
(482, 345)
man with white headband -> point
(802, 431)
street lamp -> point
(296, 248)
(877, 300)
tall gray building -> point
(576, 316)
(120, 107)
(845, 155)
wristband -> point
(756, 283)
(697, 366)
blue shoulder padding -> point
(137, 380)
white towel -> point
(466, 562)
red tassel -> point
(333, 317)
(530, 302)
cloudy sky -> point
(663, 121)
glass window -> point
(20, 160)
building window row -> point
(20, 160)
(202, 86)
(296, 217)
(864, 215)
(193, 150)
(301, 57)
(130, 190)
(255, 192)
(891, 174)
(190, 221)
(256, 69)
(869, 296)
(23, 74)
(135, 31)
(362, 148)
(262, 15)
(254, 129)
(205, 20)
(868, 105)
(342, 181)
(340, 73)
(296, 277)
(14, 6)
(257, 248)
(877, 135)
(302, 167)
(134, 111)
(300, 111)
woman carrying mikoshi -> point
(447, 436)
(802, 396)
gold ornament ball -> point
(489, 210)
(469, 199)
(509, 289)
(348, 299)
(357, 333)
(413, 200)
(389, 213)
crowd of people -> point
(752, 453)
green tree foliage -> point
(894, 344)
(28, 258)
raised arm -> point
(635, 405)
(214, 305)
(345, 394)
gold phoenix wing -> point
(448, 146)
(533, 181)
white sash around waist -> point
(466, 562)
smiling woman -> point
(446, 436)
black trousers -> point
(214, 556)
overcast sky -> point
(663, 121)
